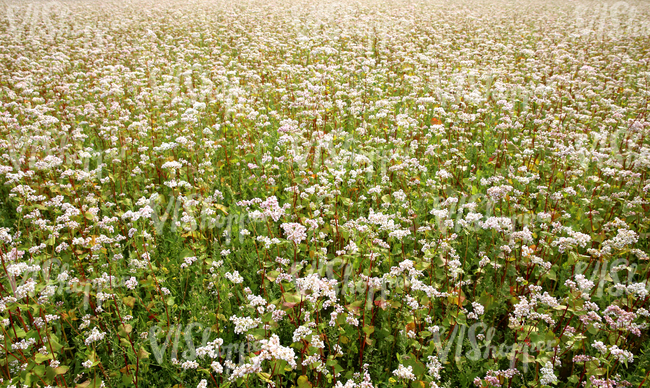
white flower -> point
(243, 324)
(434, 366)
(301, 333)
(548, 377)
(404, 372)
(131, 283)
(94, 336)
(216, 367)
(294, 232)
(234, 277)
(190, 365)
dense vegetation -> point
(317, 194)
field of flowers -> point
(310, 194)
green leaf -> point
(39, 357)
(186, 253)
(125, 329)
(222, 208)
(292, 297)
(125, 342)
(303, 382)
(56, 346)
(264, 377)
(129, 301)
(279, 366)
(142, 353)
(29, 379)
(127, 379)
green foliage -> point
(312, 195)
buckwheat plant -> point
(290, 193)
